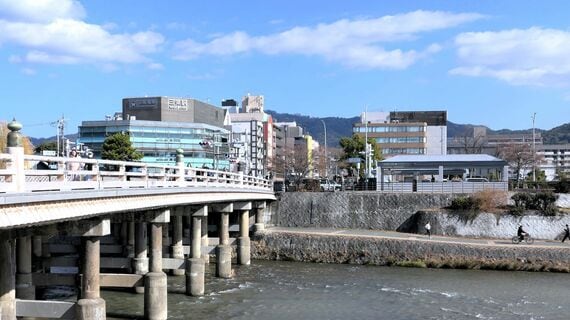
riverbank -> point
(378, 248)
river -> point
(290, 290)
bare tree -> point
(518, 156)
(294, 164)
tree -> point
(46, 145)
(354, 147)
(518, 156)
(294, 163)
(118, 146)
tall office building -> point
(405, 132)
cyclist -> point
(521, 233)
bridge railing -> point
(30, 173)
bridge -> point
(135, 217)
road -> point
(416, 237)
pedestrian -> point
(428, 229)
(566, 234)
(73, 165)
(88, 166)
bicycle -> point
(526, 238)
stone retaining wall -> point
(356, 210)
(271, 245)
(485, 225)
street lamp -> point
(326, 158)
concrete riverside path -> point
(416, 237)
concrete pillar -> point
(195, 269)
(140, 261)
(37, 246)
(155, 295)
(224, 261)
(440, 174)
(259, 224)
(166, 239)
(7, 279)
(223, 250)
(91, 306)
(177, 250)
(130, 248)
(196, 245)
(224, 230)
(24, 287)
(205, 241)
(244, 257)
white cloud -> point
(533, 56)
(40, 10)
(52, 33)
(355, 43)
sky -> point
(494, 63)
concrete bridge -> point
(134, 217)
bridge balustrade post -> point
(91, 306)
(195, 265)
(155, 294)
(16, 149)
(177, 250)
(24, 286)
(141, 260)
(7, 278)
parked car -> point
(328, 185)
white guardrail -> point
(441, 187)
(19, 173)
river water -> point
(290, 290)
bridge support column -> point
(90, 306)
(243, 241)
(7, 279)
(223, 250)
(24, 287)
(177, 249)
(259, 215)
(130, 247)
(205, 241)
(140, 261)
(155, 294)
(195, 265)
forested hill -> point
(342, 127)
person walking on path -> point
(566, 234)
(428, 229)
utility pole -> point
(366, 142)
(533, 150)
(60, 129)
(326, 157)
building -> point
(157, 126)
(409, 132)
(477, 140)
(555, 160)
(251, 103)
(171, 109)
(203, 144)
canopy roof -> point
(447, 161)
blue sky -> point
(485, 62)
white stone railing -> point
(19, 173)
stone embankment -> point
(308, 247)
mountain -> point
(342, 127)
(336, 127)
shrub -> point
(545, 202)
(489, 200)
(464, 203)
